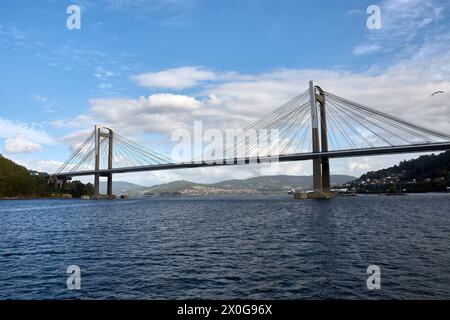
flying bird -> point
(437, 92)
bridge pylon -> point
(321, 165)
(108, 133)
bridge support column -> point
(97, 163)
(109, 192)
(317, 170)
(326, 183)
(321, 165)
(98, 135)
(97, 186)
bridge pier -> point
(97, 186)
(109, 192)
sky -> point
(148, 67)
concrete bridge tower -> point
(108, 133)
(321, 165)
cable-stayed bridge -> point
(315, 125)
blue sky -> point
(56, 83)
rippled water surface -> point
(226, 247)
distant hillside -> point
(15, 180)
(257, 185)
(279, 183)
(429, 173)
(18, 182)
(122, 187)
(425, 167)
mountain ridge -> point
(254, 185)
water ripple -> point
(226, 247)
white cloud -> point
(102, 73)
(105, 85)
(159, 103)
(355, 12)
(157, 113)
(13, 37)
(66, 55)
(49, 166)
(21, 144)
(46, 165)
(166, 12)
(177, 78)
(80, 121)
(40, 98)
(406, 26)
(364, 49)
(164, 101)
(22, 137)
(354, 166)
(45, 101)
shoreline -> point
(36, 198)
(199, 196)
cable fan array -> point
(349, 126)
(282, 131)
(125, 154)
(352, 126)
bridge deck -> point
(281, 158)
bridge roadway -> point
(282, 158)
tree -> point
(76, 189)
(14, 179)
(88, 190)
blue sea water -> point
(231, 247)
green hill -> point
(257, 185)
(15, 180)
(171, 188)
(279, 183)
(424, 174)
(425, 167)
(122, 187)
